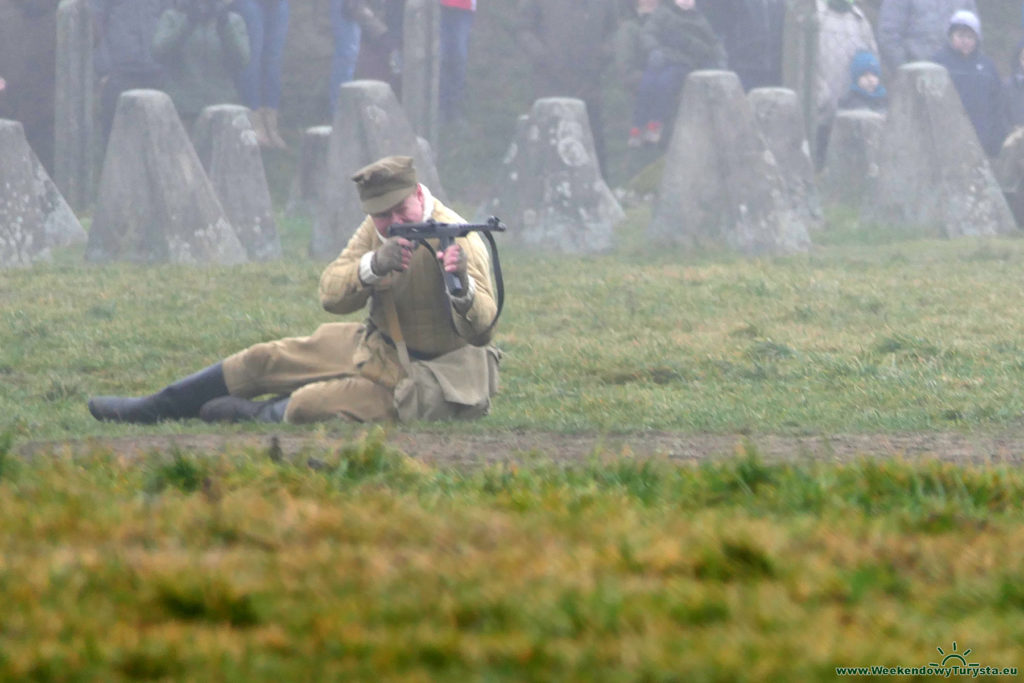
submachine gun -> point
(446, 234)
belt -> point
(413, 353)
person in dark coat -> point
(976, 80)
(203, 46)
(677, 39)
(1015, 89)
(751, 31)
(123, 57)
(28, 37)
(380, 52)
(569, 45)
(914, 30)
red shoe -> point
(635, 140)
(653, 132)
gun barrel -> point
(432, 229)
(446, 234)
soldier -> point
(356, 371)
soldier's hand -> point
(394, 254)
(453, 260)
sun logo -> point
(960, 660)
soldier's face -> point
(409, 210)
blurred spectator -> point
(751, 31)
(266, 23)
(569, 44)
(843, 31)
(630, 53)
(456, 24)
(866, 90)
(1015, 88)
(915, 30)
(28, 39)
(350, 20)
(976, 80)
(380, 52)
(202, 45)
(677, 39)
(124, 56)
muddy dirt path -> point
(472, 450)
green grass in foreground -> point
(371, 566)
(871, 332)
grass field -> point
(353, 561)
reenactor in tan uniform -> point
(422, 353)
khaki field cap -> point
(385, 183)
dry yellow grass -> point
(232, 567)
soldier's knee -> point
(352, 399)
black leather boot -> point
(177, 401)
(234, 409)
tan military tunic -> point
(349, 370)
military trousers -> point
(318, 372)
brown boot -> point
(270, 121)
(258, 127)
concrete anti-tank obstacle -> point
(1009, 170)
(550, 191)
(777, 111)
(22, 241)
(227, 147)
(368, 124)
(721, 186)
(932, 171)
(156, 203)
(60, 224)
(851, 160)
(307, 188)
(33, 215)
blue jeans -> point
(656, 96)
(346, 49)
(456, 25)
(267, 24)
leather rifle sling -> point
(387, 300)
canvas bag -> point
(455, 386)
